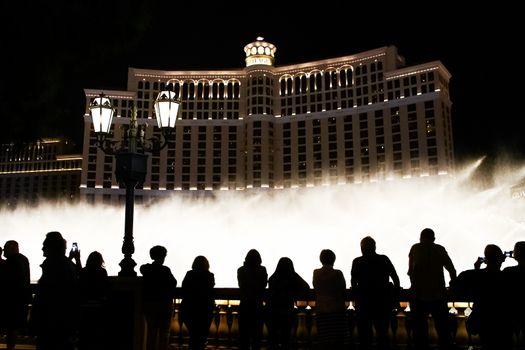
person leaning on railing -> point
(284, 287)
(158, 294)
(428, 293)
(252, 278)
(196, 309)
(374, 294)
(330, 291)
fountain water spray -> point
(297, 223)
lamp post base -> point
(127, 266)
(125, 318)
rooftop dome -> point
(259, 52)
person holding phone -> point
(55, 304)
(483, 286)
(74, 256)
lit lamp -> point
(167, 107)
(102, 114)
(130, 156)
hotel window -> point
(327, 81)
(282, 84)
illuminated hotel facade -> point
(41, 170)
(354, 119)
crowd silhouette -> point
(68, 308)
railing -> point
(224, 330)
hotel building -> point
(361, 118)
(42, 170)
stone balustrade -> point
(224, 330)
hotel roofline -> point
(416, 69)
(285, 69)
(122, 94)
(241, 72)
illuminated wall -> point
(41, 170)
(360, 118)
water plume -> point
(297, 223)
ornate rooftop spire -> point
(260, 52)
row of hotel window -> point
(28, 154)
(287, 151)
(364, 143)
(317, 89)
(220, 89)
(302, 104)
(50, 165)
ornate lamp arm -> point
(106, 145)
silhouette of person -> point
(198, 302)
(3, 300)
(331, 315)
(56, 297)
(515, 283)
(485, 287)
(284, 287)
(252, 278)
(16, 284)
(374, 294)
(93, 287)
(158, 292)
(74, 256)
(428, 290)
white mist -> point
(294, 223)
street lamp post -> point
(130, 155)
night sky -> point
(53, 50)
